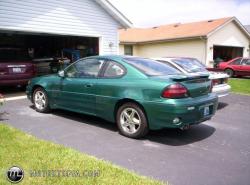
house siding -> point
(63, 17)
(190, 48)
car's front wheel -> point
(229, 72)
(40, 100)
(131, 120)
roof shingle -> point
(171, 31)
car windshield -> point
(151, 67)
(190, 65)
(13, 54)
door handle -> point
(88, 85)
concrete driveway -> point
(212, 153)
(10, 92)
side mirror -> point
(61, 74)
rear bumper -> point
(189, 111)
(221, 90)
(14, 82)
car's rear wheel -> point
(229, 72)
(131, 120)
(41, 100)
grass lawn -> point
(29, 153)
(241, 86)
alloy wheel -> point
(40, 100)
(130, 120)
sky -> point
(149, 13)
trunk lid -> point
(196, 84)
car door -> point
(77, 89)
(108, 88)
(245, 67)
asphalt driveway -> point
(212, 153)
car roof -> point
(117, 57)
(171, 58)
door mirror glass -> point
(61, 73)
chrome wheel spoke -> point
(132, 128)
(126, 115)
(42, 96)
(136, 121)
(43, 102)
(125, 124)
(38, 105)
(36, 97)
(132, 114)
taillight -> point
(175, 91)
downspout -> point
(205, 49)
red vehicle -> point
(16, 67)
(236, 67)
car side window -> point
(113, 70)
(86, 68)
(236, 62)
(169, 64)
(246, 62)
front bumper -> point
(189, 111)
(221, 90)
(28, 92)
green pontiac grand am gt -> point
(138, 94)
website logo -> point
(15, 174)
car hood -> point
(38, 78)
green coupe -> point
(138, 94)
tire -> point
(40, 100)
(132, 127)
(229, 72)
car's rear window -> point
(151, 67)
(191, 65)
(13, 54)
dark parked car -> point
(236, 67)
(16, 67)
(137, 93)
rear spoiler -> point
(191, 76)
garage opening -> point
(49, 53)
(226, 53)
